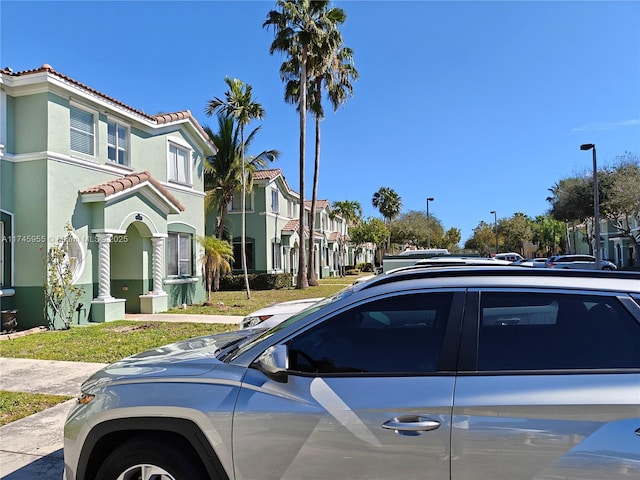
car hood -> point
(293, 306)
(186, 358)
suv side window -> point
(395, 335)
(540, 331)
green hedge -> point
(257, 281)
(364, 267)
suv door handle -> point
(411, 423)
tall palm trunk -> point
(302, 274)
(313, 280)
(244, 226)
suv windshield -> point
(229, 356)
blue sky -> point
(480, 105)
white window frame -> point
(276, 254)
(275, 204)
(173, 149)
(235, 203)
(117, 147)
(180, 238)
(92, 135)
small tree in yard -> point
(61, 296)
(215, 260)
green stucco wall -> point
(30, 123)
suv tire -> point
(145, 458)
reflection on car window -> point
(307, 311)
(520, 331)
(400, 334)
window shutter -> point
(81, 131)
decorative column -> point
(158, 264)
(104, 266)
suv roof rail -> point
(429, 271)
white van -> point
(510, 256)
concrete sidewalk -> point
(31, 447)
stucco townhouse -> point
(129, 184)
(131, 188)
(272, 230)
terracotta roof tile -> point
(121, 184)
(293, 226)
(271, 174)
(319, 203)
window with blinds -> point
(82, 131)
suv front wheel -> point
(144, 458)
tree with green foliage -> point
(413, 228)
(371, 230)
(349, 210)
(549, 235)
(61, 295)
(571, 199)
(515, 232)
(388, 203)
(451, 239)
(223, 170)
(621, 198)
(216, 257)
(483, 239)
(240, 104)
(299, 26)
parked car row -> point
(463, 372)
(272, 315)
(581, 262)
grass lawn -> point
(14, 406)
(236, 303)
(104, 342)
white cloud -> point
(598, 126)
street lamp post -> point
(430, 199)
(596, 202)
(495, 227)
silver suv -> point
(456, 373)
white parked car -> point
(509, 256)
(272, 315)
(532, 262)
(581, 262)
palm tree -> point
(215, 260)
(223, 171)
(388, 202)
(239, 103)
(349, 210)
(336, 73)
(298, 25)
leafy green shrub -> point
(352, 271)
(257, 281)
(365, 267)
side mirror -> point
(274, 362)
